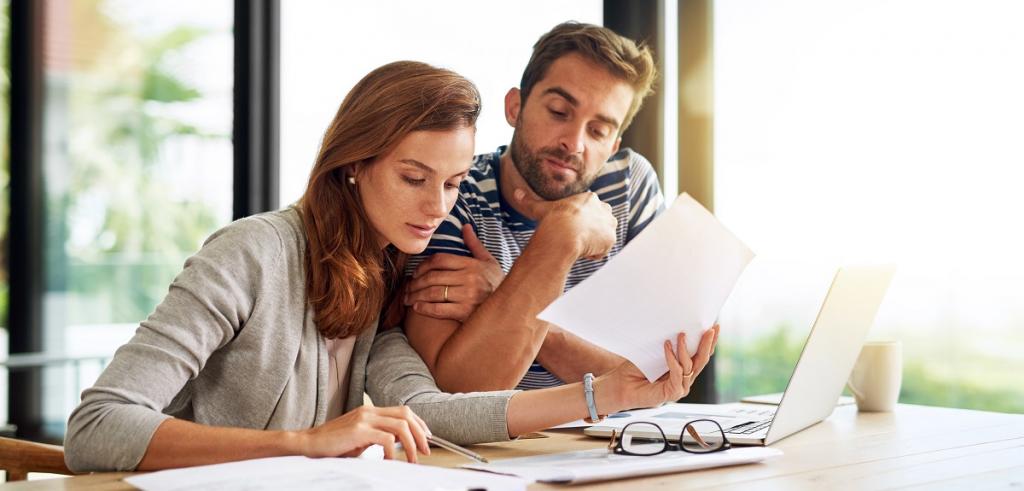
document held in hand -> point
(675, 276)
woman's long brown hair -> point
(348, 274)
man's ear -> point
(615, 147)
(513, 103)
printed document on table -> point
(598, 465)
(675, 276)
(283, 473)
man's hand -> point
(448, 286)
(581, 218)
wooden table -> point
(914, 447)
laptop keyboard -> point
(749, 428)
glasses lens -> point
(642, 439)
(702, 436)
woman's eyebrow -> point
(418, 164)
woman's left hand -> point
(626, 387)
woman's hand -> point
(349, 434)
(448, 286)
(626, 387)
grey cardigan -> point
(234, 344)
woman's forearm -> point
(535, 410)
(179, 443)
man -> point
(550, 209)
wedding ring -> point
(688, 375)
(446, 294)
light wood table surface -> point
(914, 447)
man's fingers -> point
(453, 311)
(530, 206)
(437, 277)
(441, 260)
(474, 244)
(430, 294)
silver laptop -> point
(825, 363)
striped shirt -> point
(627, 182)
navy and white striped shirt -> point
(627, 182)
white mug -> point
(876, 378)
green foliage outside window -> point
(120, 112)
(763, 364)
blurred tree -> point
(120, 228)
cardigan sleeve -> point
(205, 306)
(396, 375)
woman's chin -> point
(411, 246)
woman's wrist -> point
(608, 394)
(294, 443)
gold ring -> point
(446, 294)
(688, 375)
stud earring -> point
(351, 179)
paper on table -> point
(671, 417)
(598, 465)
(675, 276)
(314, 474)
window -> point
(137, 166)
(875, 132)
(326, 47)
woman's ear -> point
(352, 172)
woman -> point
(268, 338)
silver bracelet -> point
(588, 392)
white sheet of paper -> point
(283, 473)
(675, 276)
(598, 465)
(672, 416)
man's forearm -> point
(568, 356)
(494, 348)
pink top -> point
(339, 352)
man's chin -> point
(556, 193)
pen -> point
(465, 452)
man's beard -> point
(531, 165)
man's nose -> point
(572, 140)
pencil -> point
(465, 452)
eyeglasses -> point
(642, 438)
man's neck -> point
(510, 180)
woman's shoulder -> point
(262, 237)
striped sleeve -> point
(447, 238)
(645, 199)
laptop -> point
(829, 354)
